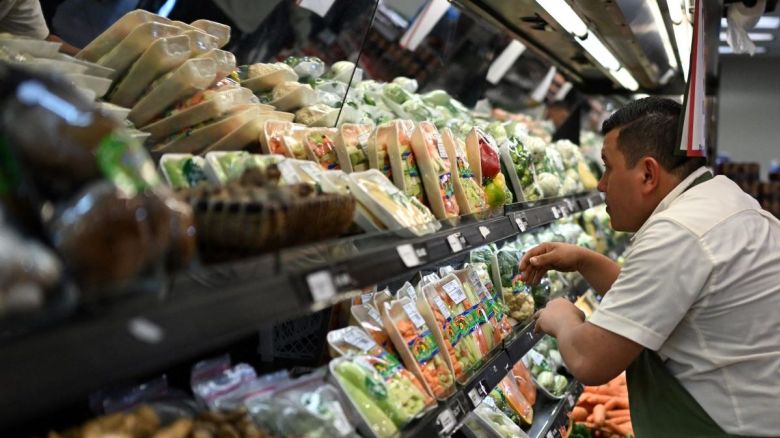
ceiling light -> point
(763, 23)
(593, 45)
(661, 26)
(501, 65)
(726, 50)
(675, 10)
(565, 16)
(754, 36)
(625, 79)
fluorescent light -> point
(638, 96)
(763, 23)
(593, 45)
(661, 26)
(726, 50)
(754, 36)
(675, 10)
(501, 65)
(565, 16)
(625, 79)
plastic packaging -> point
(320, 146)
(370, 320)
(405, 167)
(292, 95)
(121, 57)
(495, 327)
(190, 77)
(243, 137)
(417, 346)
(483, 156)
(525, 382)
(197, 138)
(502, 425)
(277, 138)
(161, 57)
(317, 115)
(29, 46)
(306, 66)
(91, 67)
(213, 378)
(378, 149)
(222, 167)
(183, 170)
(112, 36)
(351, 147)
(263, 77)
(468, 191)
(435, 168)
(511, 401)
(226, 63)
(200, 42)
(95, 84)
(218, 30)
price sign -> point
(556, 212)
(456, 242)
(411, 256)
(484, 231)
(446, 421)
(522, 222)
(478, 393)
(321, 286)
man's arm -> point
(599, 270)
(593, 355)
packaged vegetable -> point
(200, 42)
(306, 66)
(396, 210)
(277, 138)
(497, 420)
(342, 71)
(483, 157)
(218, 30)
(162, 56)
(507, 396)
(244, 137)
(263, 77)
(94, 86)
(319, 144)
(192, 76)
(183, 170)
(378, 149)
(226, 62)
(317, 115)
(468, 191)
(351, 147)
(525, 382)
(417, 346)
(369, 318)
(434, 164)
(454, 318)
(405, 169)
(494, 324)
(196, 139)
(290, 95)
(124, 54)
(121, 28)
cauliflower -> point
(535, 146)
(286, 88)
(408, 84)
(521, 304)
(549, 184)
(569, 186)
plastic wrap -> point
(498, 422)
(112, 36)
(317, 115)
(244, 137)
(97, 86)
(292, 95)
(121, 57)
(378, 149)
(405, 167)
(183, 170)
(190, 77)
(200, 42)
(468, 191)
(263, 77)
(525, 382)
(320, 146)
(511, 401)
(351, 147)
(218, 30)
(226, 62)
(198, 138)
(483, 156)
(275, 137)
(435, 168)
(161, 57)
(306, 66)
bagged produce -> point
(306, 66)
(290, 95)
(351, 147)
(190, 77)
(124, 54)
(378, 149)
(320, 145)
(197, 139)
(511, 401)
(222, 167)
(417, 346)
(468, 191)
(162, 56)
(112, 36)
(525, 382)
(218, 30)
(404, 165)
(483, 157)
(435, 168)
(455, 320)
(263, 77)
(497, 420)
(367, 393)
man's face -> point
(622, 187)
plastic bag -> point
(218, 30)
(214, 378)
(121, 57)
(112, 36)
(197, 139)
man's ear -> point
(651, 174)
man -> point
(25, 18)
(693, 314)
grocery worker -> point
(25, 18)
(693, 316)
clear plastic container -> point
(124, 54)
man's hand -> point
(558, 315)
(538, 260)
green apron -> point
(660, 406)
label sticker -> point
(446, 421)
(455, 291)
(455, 242)
(359, 340)
(445, 312)
(440, 146)
(414, 314)
(408, 255)
(536, 357)
(321, 286)
(372, 312)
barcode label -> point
(445, 312)
(414, 314)
(359, 340)
(481, 289)
(440, 146)
(374, 315)
(536, 358)
(455, 243)
(455, 291)
(366, 298)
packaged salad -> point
(200, 42)
(192, 76)
(121, 28)
(369, 318)
(455, 320)
(511, 401)
(497, 421)
(405, 168)
(277, 138)
(468, 191)
(378, 149)
(183, 170)
(218, 30)
(243, 137)
(482, 153)
(351, 147)
(124, 54)
(164, 55)
(416, 344)
(368, 394)
(434, 165)
(320, 146)
(525, 382)
(196, 139)
(226, 62)
(494, 324)
(291, 95)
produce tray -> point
(551, 419)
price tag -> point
(359, 340)
(522, 223)
(455, 291)
(414, 314)
(536, 358)
(374, 315)
(456, 242)
(590, 203)
(564, 210)
(445, 312)
(481, 289)
(484, 231)
(459, 152)
(408, 255)
(556, 212)
(440, 146)
(549, 434)
(477, 394)
(408, 290)
(366, 298)
(571, 401)
(321, 286)
(446, 421)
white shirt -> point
(701, 286)
(23, 17)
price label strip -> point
(321, 286)
(478, 393)
(522, 222)
(411, 256)
(446, 421)
(556, 212)
(456, 241)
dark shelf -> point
(551, 418)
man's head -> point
(557, 112)
(640, 160)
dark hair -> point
(648, 127)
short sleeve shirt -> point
(701, 286)
(23, 17)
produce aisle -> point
(172, 203)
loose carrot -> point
(621, 429)
(579, 413)
(596, 398)
(617, 403)
(599, 414)
(618, 413)
(620, 420)
(589, 418)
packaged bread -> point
(468, 191)
(121, 28)
(320, 146)
(200, 42)
(121, 57)
(292, 95)
(164, 55)
(351, 147)
(378, 149)
(192, 76)
(218, 30)
(434, 164)
(197, 138)
(202, 106)
(406, 173)
(263, 77)
(226, 62)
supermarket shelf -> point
(552, 418)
